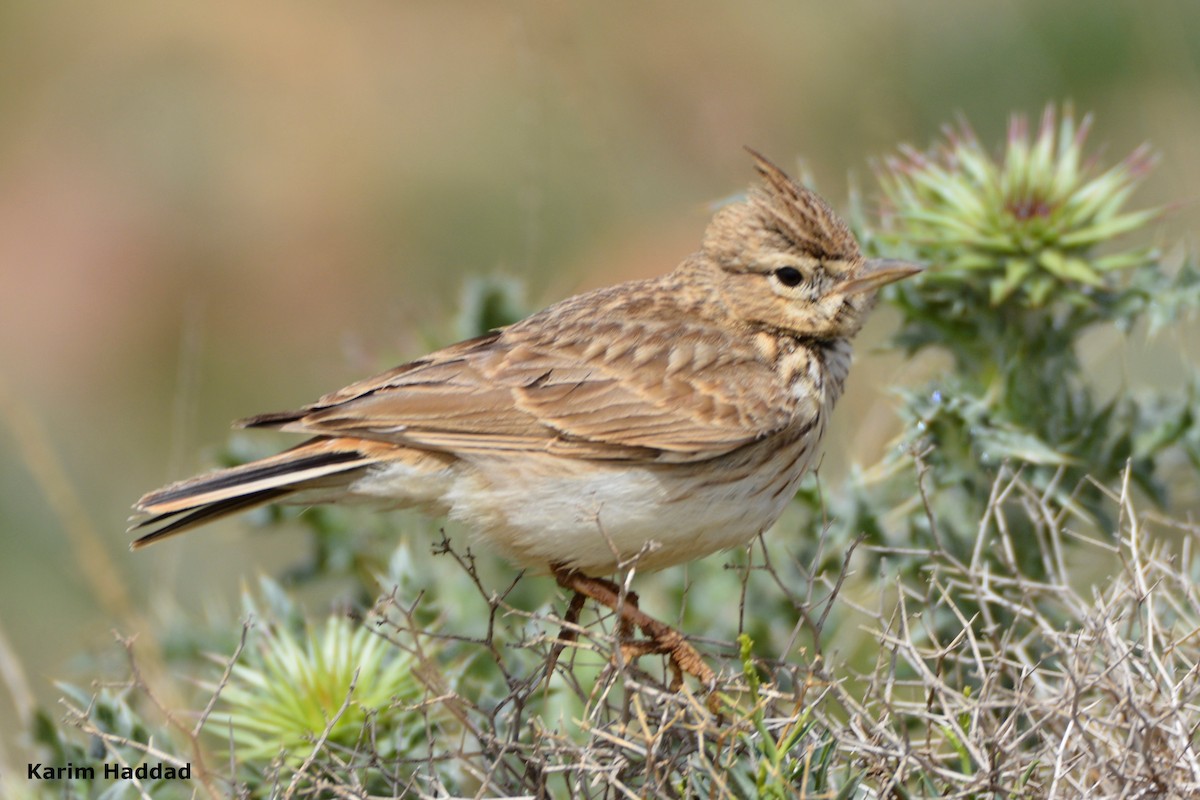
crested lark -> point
(653, 422)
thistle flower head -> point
(289, 690)
(1023, 225)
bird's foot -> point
(662, 638)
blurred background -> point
(212, 210)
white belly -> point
(546, 511)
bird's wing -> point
(599, 389)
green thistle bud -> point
(288, 690)
(1022, 227)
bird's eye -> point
(789, 276)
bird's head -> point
(787, 262)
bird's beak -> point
(876, 273)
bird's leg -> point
(662, 638)
(624, 626)
(569, 632)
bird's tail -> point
(315, 464)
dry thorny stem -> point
(1079, 683)
(113, 743)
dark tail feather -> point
(202, 515)
(199, 500)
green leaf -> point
(1038, 289)
(1068, 269)
(972, 260)
(1108, 229)
(1023, 446)
(1165, 433)
(1016, 270)
(1129, 258)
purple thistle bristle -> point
(1027, 208)
(1085, 126)
(889, 164)
(1047, 126)
(916, 159)
(1018, 130)
(965, 131)
(953, 140)
(1141, 160)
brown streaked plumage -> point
(657, 420)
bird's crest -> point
(801, 214)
